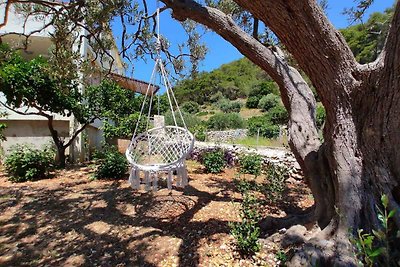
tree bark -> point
(358, 161)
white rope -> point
(143, 103)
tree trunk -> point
(61, 158)
(358, 160)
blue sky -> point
(220, 51)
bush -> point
(275, 185)
(252, 101)
(263, 124)
(214, 161)
(191, 120)
(267, 102)
(247, 232)
(222, 121)
(112, 165)
(25, 163)
(228, 106)
(264, 88)
(216, 97)
(250, 164)
(190, 107)
(199, 133)
(278, 115)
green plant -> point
(252, 101)
(374, 248)
(247, 232)
(25, 163)
(250, 164)
(278, 115)
(275, 181)
(244, 186)
(227, 106)
(191, 121)
(190, 107)
(262, 125)
(282, 257)
(222, 121)
(268, 101)
(214, 161)
(112, 164)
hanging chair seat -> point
(160, 149)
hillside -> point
(233, 80)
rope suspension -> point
(160, 151)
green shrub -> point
(191, 120)
(214, 161)
(199, 133)
(228, 106)
(320, 116)
(263, 124)
(250, 164)
(216, 97)
(278, 115)
(275, 183)
(252, 101)
(112, 165)
(25, 163)
(267, 102)
(264, 88)
(190, 107)
(247, 232)
(222, 121)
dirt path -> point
(71, 220)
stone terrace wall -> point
(278, 156)
(226, 136)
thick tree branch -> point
(83, 126)
(326, 55)
(296, 94)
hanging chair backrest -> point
(160, 147)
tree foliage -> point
(366, 40)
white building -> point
(33, 129)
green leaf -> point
(385, 200)
(391, 214)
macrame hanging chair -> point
(160, 150)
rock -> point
(294, 235)
(282, 231)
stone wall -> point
(279, 156)
(226, 136)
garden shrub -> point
(25, 163)
(228, 106)
(278, 115)
(250, 164)
(252, 101)
(247, 232)
(112, 165)
(190, 107)
(222, 121)
(275, 181)
(262, 123)
(268, 101)
(214, 161)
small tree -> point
(31, 85)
